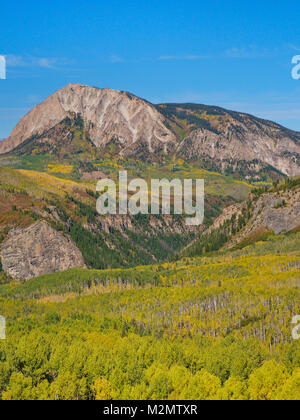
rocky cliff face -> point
(272, 212)
(37, 250)
(275, 212)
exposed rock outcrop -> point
(272, 212)
(275, 212)
(37, 250)
(227, 213)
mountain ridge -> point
(221, 140)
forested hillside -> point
(207, 328)
(55, 195)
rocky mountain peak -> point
(107, 113)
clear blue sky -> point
(235, 54)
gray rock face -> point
(246, 142)
(276, 212)
(37, 250)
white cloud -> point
(294, 47)
(182, 57)
(31, 61)
(47, 62)
(114, 58)
(14, 61)
(249, 51)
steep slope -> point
(268, 211)
(125, 125)
(273, 212)
(233, 142)
(66, 140)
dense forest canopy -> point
(214, 327)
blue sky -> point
(228, 53)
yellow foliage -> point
(265, 382)
(103, 390)
(59, 168)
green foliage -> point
(217, 238)
(205, 328)
(212, 327)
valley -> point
(146, 307)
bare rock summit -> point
(107, 113)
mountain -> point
(125, 125)
(80, 134)
(107, 114)
(145, 307)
